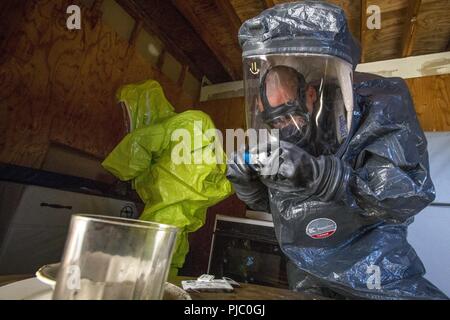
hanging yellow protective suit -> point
(176, 192)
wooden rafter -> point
(227, 8)
(160, 62)
(138, 26)
(182, 76)
(410, 27)
(184, 7)
(135, 33)
(180, 39)
(362, 39)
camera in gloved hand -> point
(290, 169)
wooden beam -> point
(138, 25)
(235, 22)
(184, 7)
(182, 76)
(135, 33)
(436, 64)
(362, 39)
(410, 27)
(136, 11)
(160, 62)
(410, 67)
(162, 19)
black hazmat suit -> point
(376, 181)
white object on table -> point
(29, 289)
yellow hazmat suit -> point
(172, 161)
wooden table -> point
(248, 292)
(245, 292)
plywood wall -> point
(226, 113)
(59, 85)
(432, 101)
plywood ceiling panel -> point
(247, 9)
(214, 28)
(404, 30)
(386, 43)
(433, 27)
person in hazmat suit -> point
(350, 169)
(173, 161)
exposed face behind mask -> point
(283, 104)
(308, 98)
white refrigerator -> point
(430, 232)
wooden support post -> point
(235, 22)
(184, 7)
(135, 33)
(182, 76)
(363, 29)
(160, 62)
(410, 27)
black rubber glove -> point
(246, 183)
(325, 177)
